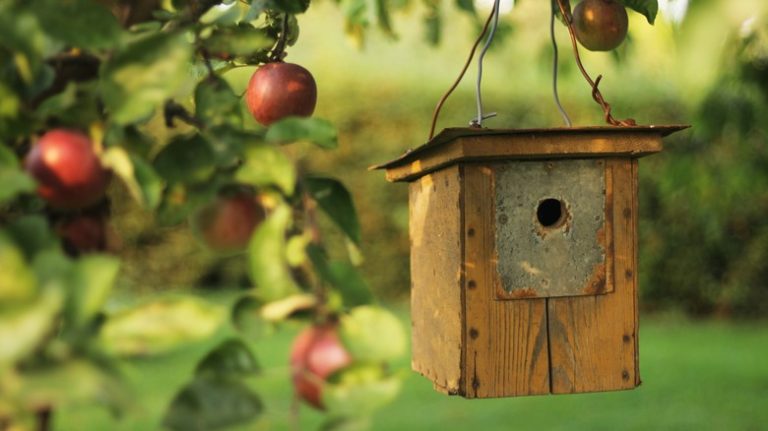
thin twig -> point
(596, 95)
(173, 110)
(447, 94)
(207, 61)
(278, 53)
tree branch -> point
(173, 110)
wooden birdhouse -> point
(524, 258)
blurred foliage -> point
(705, 233)
(143, 85)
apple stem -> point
(207, 61)
(596, 94)
(278, 53)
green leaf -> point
(356, 20)
(336, 201)
(78, 106)
(266, 257)
(289, 6)
(359, 390)
(467, 6)
(180, 200)
(9, 102)
(229, 143)
(296, 249)
(231, 358)
(187, 159)
(216, 103)
(433, 26)
(17, 282)
(265, 165)
(8, 158)
(240, 40)
(149, 182)
(282, 309)
(293, 129)
(649, 8)
(24, 328)
(52, 267)
(14, 182)
(22, 34)
(247, 318)
(383, 17)
(70, 384)
(160, 325)
(226, 13)
(372, 334)
(212, 404)
(80, 23)
(144, 74)
(92, 281)
(141, 180)
(343, 276)
(33, 235)
(350, 282)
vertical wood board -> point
(506, 341)
(436, 255)
(592, 339)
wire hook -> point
(478, 121)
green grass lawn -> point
(697, 376)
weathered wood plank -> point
(506, 341)
(436, 252)
(593, 341)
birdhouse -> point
(524, 258)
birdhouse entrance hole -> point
(551, 213)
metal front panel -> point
(551, 228)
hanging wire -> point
(560, 108)
(447, 94)
(596, 94)
(478, 121)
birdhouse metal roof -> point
(454, 145)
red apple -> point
(84, 234)
(68, 171)
(227, 223)
(278, 90)
(317, 353)
(600, 25)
